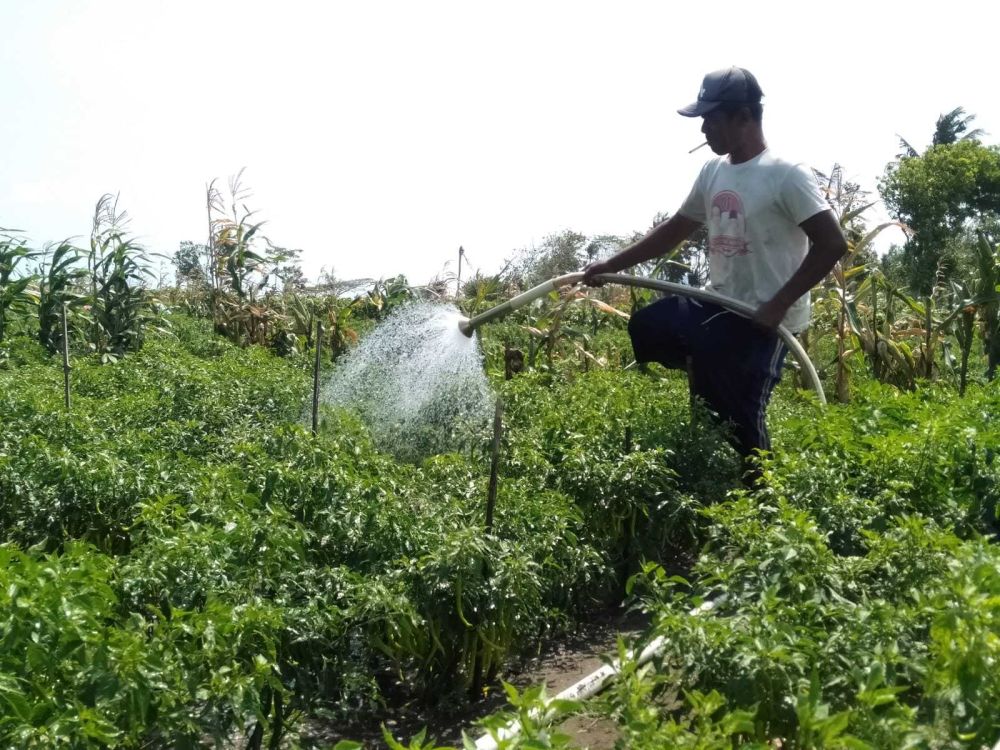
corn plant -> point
(890, 357)
(233, 233)
(480, 291)
(303, 312)
(560, 318)
(15, 293)
(121, 307)
(238, 272)
(245, 322)
(849, 202)
(107, 227)
(384, 296)
(58, 285)
(952, 311)
(986, 285)
(340, 328)
(949, 311)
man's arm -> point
(659, 241)
(828, 246)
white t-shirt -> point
(753, 211)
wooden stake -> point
(689, 369)
(476, 689)
(66, 368)
(316, 369)
(491, 495)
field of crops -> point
(186, 564)
(186, 561)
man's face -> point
(721, 131)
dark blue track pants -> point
(735, 365)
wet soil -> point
(560, 664)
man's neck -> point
(748, 149)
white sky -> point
(380, 136)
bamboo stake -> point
(630, 536)
(929, 325)
(316, 368)
(692, 395)
(66, 368)
(491, 495)
(212, 276)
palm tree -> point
(951, 127)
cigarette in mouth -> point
(697, 147)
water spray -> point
(416, 382)
(469, 325)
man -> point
(772, 237)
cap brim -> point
(698, 109)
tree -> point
(329, 284)
(937, 194)
(286, 266)
(685, 264)
(187, 262)
(557, 255)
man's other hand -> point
(769, 315)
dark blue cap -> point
(726, 86)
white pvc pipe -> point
(588, 687)
(740, 308)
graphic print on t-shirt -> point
(727, 227)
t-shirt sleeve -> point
(693, 206)
(800, 195)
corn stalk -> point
(14, 292)
(237, 271)
(57, 286)
(987, 284)
(855, 333)
(120, 305)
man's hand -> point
(594, 269)
(769, 315)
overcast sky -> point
(381, 136)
